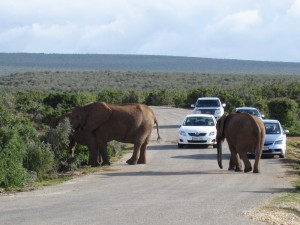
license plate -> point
(197, 138)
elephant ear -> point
(97, 114)
(220, 127)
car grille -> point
(208, 111)
(202, 141)
(197, 134)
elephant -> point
(98, 123)
(244, 133)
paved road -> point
(177, 186)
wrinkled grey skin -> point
(244, 133)
(97, 123)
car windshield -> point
(272, 128)
(249, 111)
(198, 121)
(207, 103)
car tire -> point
(215, 145)
(180, 145)
(282, 156)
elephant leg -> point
(142, 158)
(232, 165)
(235, 163)
(94, 159)
(103, 153)
(246, 161)
(256, 163)
(135, 155)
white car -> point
(198, 129)
(250, 110)
(209, 105)
(275, 142)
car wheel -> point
(282, 156)
(215, 145)
(180, 145)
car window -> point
(199, 121)
(272, 128)
(207, 103)
(249, 111)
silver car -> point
(275, 142)
(250, 110)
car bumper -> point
(206, 140)
(274, 150)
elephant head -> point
(90, 116)
(220, 138)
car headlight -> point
(218, 111)
(182, 133)
(279, 142)
(212, 133)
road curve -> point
(176, 186)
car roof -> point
(246, 108)
(199, 115)
(207, 98)
(271, 121)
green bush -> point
(12, 151)
(58, 138)
(283, 109)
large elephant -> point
(244, 133)
(98, 123)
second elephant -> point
(244, 133)
(100, 123)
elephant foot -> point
(247, 170)
(105, 164)
(141, 161)
(255, 171)
(131, 162)
(238, 170)
(95, 164)
(232, 168)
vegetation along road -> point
(177, 186)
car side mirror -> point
(262, 116)
(224, 105)
(286, 131)
(192, 106)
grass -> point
(293, 156)
(284, 209)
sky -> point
(264, 30)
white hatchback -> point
(198, 129)
(275, 142)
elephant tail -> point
(157, 129)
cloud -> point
(294, 10)
(243, 29)
(241, 21)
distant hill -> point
(11, 63)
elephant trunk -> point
(219, 149)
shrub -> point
(283, 109)
(58, 138)
(12, 151)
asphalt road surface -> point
(176, 186)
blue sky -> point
(267, 30)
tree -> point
(284, 110)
